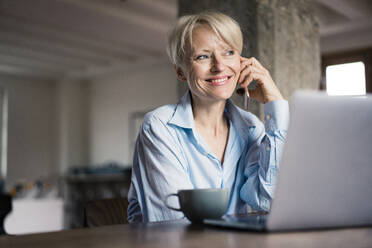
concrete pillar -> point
(281, 34)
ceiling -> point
(77, 38)
(54, 39)
(344, 24)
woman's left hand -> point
(266, 90)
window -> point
(347, 72)
(346, 79)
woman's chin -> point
(216, 94)
(222, 95)
(224, 92)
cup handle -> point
(166, 202)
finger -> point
(255, 61)
(244, 73)
(244, 62)
(257, 64)
(251, 60)
(249, 79)
(259, 68)
(242, 59)
(248, 70)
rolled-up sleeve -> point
(263, 155)
(159, 169)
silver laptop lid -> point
(325, 176)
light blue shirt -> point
(170, 155)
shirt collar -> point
(183, 115)
(184, 118)
(241, 123)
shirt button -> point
(268, 117)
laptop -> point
(325, 175)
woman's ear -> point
(180, 75)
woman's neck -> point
(209, 115)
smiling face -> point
(213, 67)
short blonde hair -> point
(180, 37)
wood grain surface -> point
(181, 234)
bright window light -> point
(346, 79)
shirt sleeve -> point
(263, 156)
(159, 169)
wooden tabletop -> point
(181, 234)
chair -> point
(5, 208)
(106, 212)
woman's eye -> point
(230, 52)
(200, 57)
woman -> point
(205, 141)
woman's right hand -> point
(266, 90)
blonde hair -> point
(180, 37)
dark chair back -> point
(106, 212)
(5, 208)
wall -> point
(114, 98)
(55, 125)
(30, 128)
(71, 123)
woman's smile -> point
(218, 81)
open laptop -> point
(325, 175)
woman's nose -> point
(217, 64)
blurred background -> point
(77, 76)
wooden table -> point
(180, 234)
